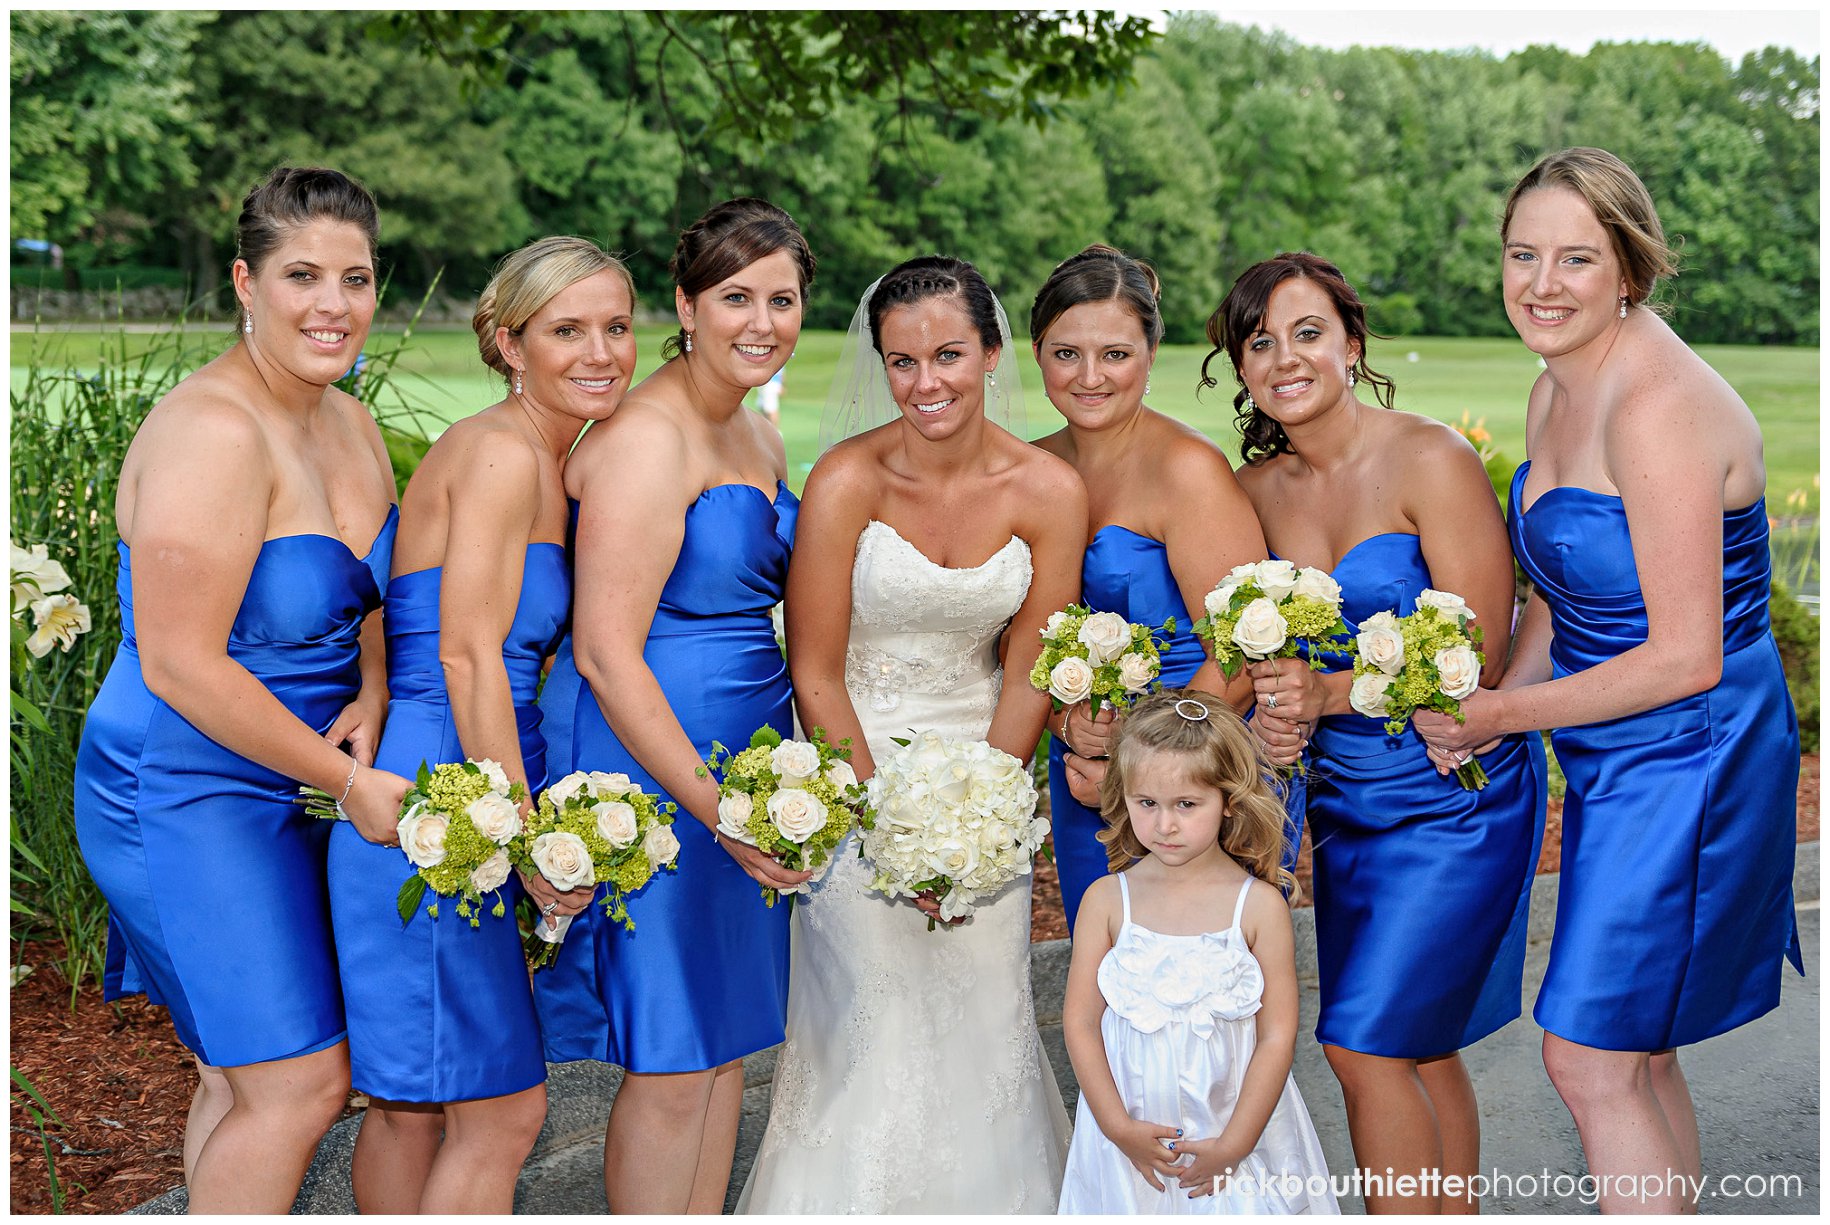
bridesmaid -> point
(442, 1031)
(1172, 519)
(256, 513)
(1421, 887)
(685, 523)
(1639, 517)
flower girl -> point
(1181, 999)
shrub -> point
(1795, 630)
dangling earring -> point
(1623, 306)
(517, 382)
(247, 322)
(1146, 384)
(1249, 406)
(1352, 378)
(991, 380)
(689, 342)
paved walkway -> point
(1756, 1093)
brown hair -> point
(526, 280)
(1241, 313)
(1219, 752)
(292, 196)
(1619, 201)
(726, 240)
(1099, 274)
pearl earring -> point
(1146, 386)
(1352, 378)
(1623, 306)
(689, 342)
(991, 380)
(247, 322)
(1249, 406)
(517, 382)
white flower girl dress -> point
(1179, 1031)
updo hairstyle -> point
(293, 196)
(1100, 274)
(527, 280)
(936, 276)
(726, 240)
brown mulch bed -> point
(121, 1083)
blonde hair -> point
(1619, 201)
(1218, 752)
(526, 280)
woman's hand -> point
(373, 804)
(763, 869)
(1145, 1146)
(554, 902)
(1288, 688)
(1084, 778)
(1479, 731)
(929, 905)
(1085, 734)
(1215, 1160)
(358, 726)
(1283, 740)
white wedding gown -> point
(913, 1079)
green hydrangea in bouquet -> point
(595, 828)
(1426, 661)
(793, 799)
(1097, 657)
(1272, 610)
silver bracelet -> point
(349, 785)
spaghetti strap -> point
(1239, 906)
(1124, 895)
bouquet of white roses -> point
(956, 819)
(594, 829)
(793, 799)
(1425, 661)
(1271, 610)
(1097, 657)
(458, 822)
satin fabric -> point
(1128, 573)
(1180, 1030)
(213, 873)
(440, 1011)
(1679, 823)
(703, 979)
(1421, 887)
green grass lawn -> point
(440, 376)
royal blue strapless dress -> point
(703, 978)
(1679, 823)
(440, 1011)
(213, 873)
(1421, 887)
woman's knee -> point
(1586, 1077)
(1360, 1073)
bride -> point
(929, 552)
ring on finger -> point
(548, 909)
(1271, 701)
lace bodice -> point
(918, 627)
(1151, 978)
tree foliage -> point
(1010, 138)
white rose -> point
(57, 619)
(1276, 578)
(794, 760)
(422, 836)
(953, 783)
(1381, 642)
(1318, 584)
(35, 575)
(927, 751)
(1105, 636)
(734, 812)
(842, 776)
(1071, 681)
(1245, 572)
(1260, 629)
(616, 822)
(567, 787)
(796, 814)
(493, 771)
(1368, 695)
(563, 860)
(495, 817)
(606, 786)
(1447, 601)
(661, 846)
(1220, 597)
(1056, 620)
(1459, 670)
(492, 873)
(953, 858)
(1135, 671)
